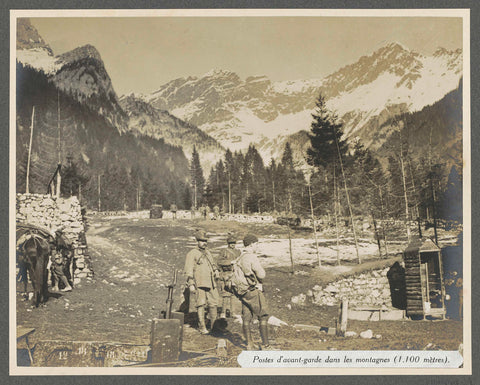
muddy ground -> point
(133, 260)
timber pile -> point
(367, 289)
(53, 213)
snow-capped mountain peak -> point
(238, 112)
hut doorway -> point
(425, 290)
(431, 281)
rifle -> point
(169, 301)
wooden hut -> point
(425, 289)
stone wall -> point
(52, 213)
(368, 289)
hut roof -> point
(422, 245)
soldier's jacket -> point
(200, 265)
(227, 256)
(251, 266)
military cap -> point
(200, 235)
(249, 239)
(231, 239)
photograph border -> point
(187, 371)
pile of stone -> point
(367, 289)
(248, 218)
(54, 213)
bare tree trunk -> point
(314, 225)
(273, 190)
(416, 213)
(348, 201)
(335, 206)
(383, 223)
(29, 152)
(195, 194)
(290, 208)
(433, 211)
(99, 194)
(290, 247)
(59, 148)
(377, 237)
(229, 194)
(407, 216)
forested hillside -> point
(133, 171)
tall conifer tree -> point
(197, 178)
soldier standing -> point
(201, 274)
(228, 255)
(253, 301)
(173, 209)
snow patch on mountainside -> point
(296, 86)
(40, 59)
(239, 112)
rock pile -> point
(248, 218)
(53, 213)
(367, 289)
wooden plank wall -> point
(413, 284)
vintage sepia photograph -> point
(246, 191)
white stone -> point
(367, 334)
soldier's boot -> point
(248, 337)
(264, 332)
(264, 335)
(212, 314)
(201, 320)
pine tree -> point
(325, 134)
(72, 178)
(197, 179)
(451, 202)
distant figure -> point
(64, 245)
(216, 211)
(203, 210)
(202, 274)
(225, 261)
(173, 209)
(58, 273)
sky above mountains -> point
(140, 54)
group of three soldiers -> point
(206, 280)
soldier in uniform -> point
(202, 273)
(227, 256)
(253, 301)
(61, 261)
(57, 268)
(173, 209)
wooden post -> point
(29, 152)
(343, 318)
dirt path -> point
(134, 260)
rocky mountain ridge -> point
(256, 110)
